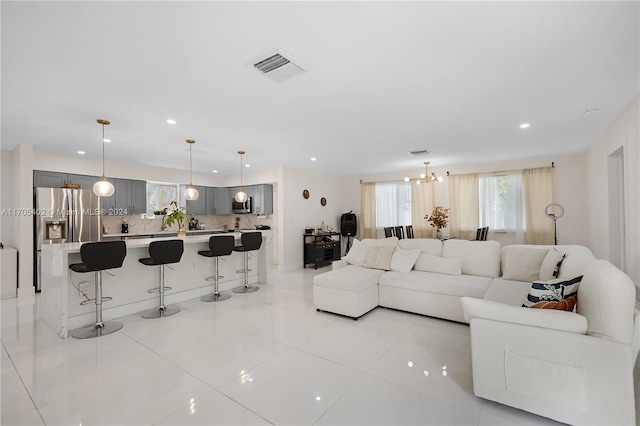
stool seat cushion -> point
(78, 267)
(207, 253)
(148, 261)
(242, 248)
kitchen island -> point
(129, 285)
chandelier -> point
(425, 177)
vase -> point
(439, 234)
(182, 232)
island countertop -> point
(129, 285)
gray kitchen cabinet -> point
(85, 182)
(218, 201)
(47, 179)
(130, 198)
(198, 206)
(138, 196)
(262, 199)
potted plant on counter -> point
(175, 214)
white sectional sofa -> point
(574, 367)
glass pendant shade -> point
(241, 196)
(103, 188)
(191, 193)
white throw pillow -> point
(357, 253)
(441, 265)
(403, 260)
(550, 268)
(379, 257)
(523, 264)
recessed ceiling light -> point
(525, 125)
(247, 165)
(81, 152)
(592, 111)
(215, 171)
(171, 121)
(313, 158)
(106, 140)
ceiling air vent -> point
(279, 66)
(420, 152)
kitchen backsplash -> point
(137, 225)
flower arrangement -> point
(439, 217)
(174, 214)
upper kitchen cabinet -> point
(130, 198)
(198, 206)
(262, 199)
(46, 179)
(218, 201)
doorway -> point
(617, 241)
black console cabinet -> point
(321, 249)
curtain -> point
(463, 206)
(422, 203)
(538, 189)
(367, 210)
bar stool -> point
(162, 253)
(97, 257)
(250, 241)
(218, 246)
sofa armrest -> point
(544, 318)
(571, 378)
(337, 264)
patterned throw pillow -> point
(553, 294)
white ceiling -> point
(457, 78)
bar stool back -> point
(250, 241)
(218, 246)
(97, 257)
(162, 253)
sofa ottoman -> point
(350, 290)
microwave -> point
(245, 207)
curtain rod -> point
(553, 165)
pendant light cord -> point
(103, 175)
(190, 166)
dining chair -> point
(388, 232)
(399, 232)
(409, 231)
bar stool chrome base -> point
(97, 330)
(160, 312)
(246, 289)
(215, 297)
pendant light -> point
(241, 196)
(103, 188)
(191, 193)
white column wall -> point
(625, 133)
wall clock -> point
(305, 194)
(323, 201)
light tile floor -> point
(261, 358)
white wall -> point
(298, 212)
(625, 133)
(569, 181)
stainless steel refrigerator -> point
(63, 215)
